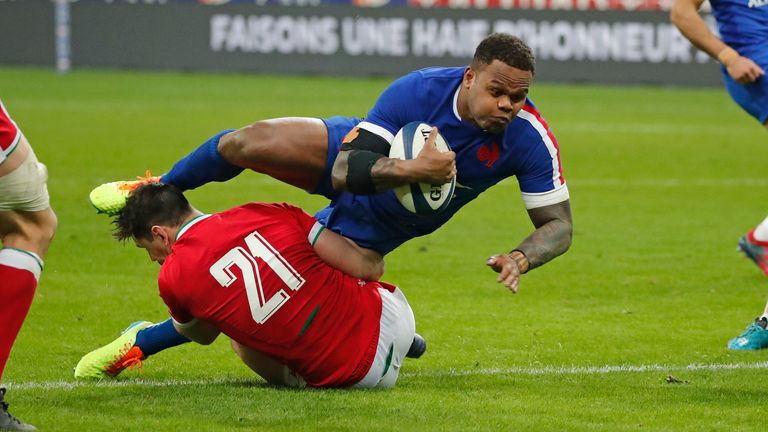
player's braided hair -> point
(148, 205)
(505, 48)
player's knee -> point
(247, 144)
(45, 229)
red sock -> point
(19, 272)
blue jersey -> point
(743, 25)
(526, 149)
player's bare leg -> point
(29, 231)
(273, 372)
(293, 150)
(27, 226)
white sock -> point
(761, 231)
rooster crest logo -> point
(488, 154)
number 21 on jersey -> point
(247, 261)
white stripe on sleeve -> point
(536, 200)
(378, 130)
(530, 118)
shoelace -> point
(754, 328)
(131, 185)
(120, 361)
(134, 363)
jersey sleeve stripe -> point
(536, 200)
(378, 130)
(314, 233)
(532, 116)
(6, 151)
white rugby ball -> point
(420, 198)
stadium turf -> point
(627, 331)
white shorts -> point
(396, 331)
(25, 187)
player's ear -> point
(161, 233)
(469, 76)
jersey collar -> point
(190, 223)
(456, 103)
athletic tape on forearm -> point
(359, 166)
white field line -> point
(659, 182)
(542, 371)
(644, 182)
(591, 370)
(655, 129)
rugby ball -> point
(420, 198)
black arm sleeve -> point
(366, 140)
(364, 150)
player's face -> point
(495, 94)
(158, 248)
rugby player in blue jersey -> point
(742, 50)
(482, 110)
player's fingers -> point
(514, 285)
(502, 275)
(491, 262)
(432, 139)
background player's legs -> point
(293, 150)
(272, 371)
(754, 244)
(25, 235)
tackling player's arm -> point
(363, 167)
(685, 16)
(198, 331)
(343, 254)
(554, 231)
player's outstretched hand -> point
(434, 166)
(508, 270)
(744, 70)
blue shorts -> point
(338, 127)
(753, 97)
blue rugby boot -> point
(755, 337)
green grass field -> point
(663, 182)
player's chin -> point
(495, 125)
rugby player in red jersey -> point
(297, 301)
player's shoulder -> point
(257, 208)
(529, 125)
(433, 77)
(437, 73)
(531, 119)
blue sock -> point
(204, 165)
(158, 337)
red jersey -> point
(252, 272)
(10, 135)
